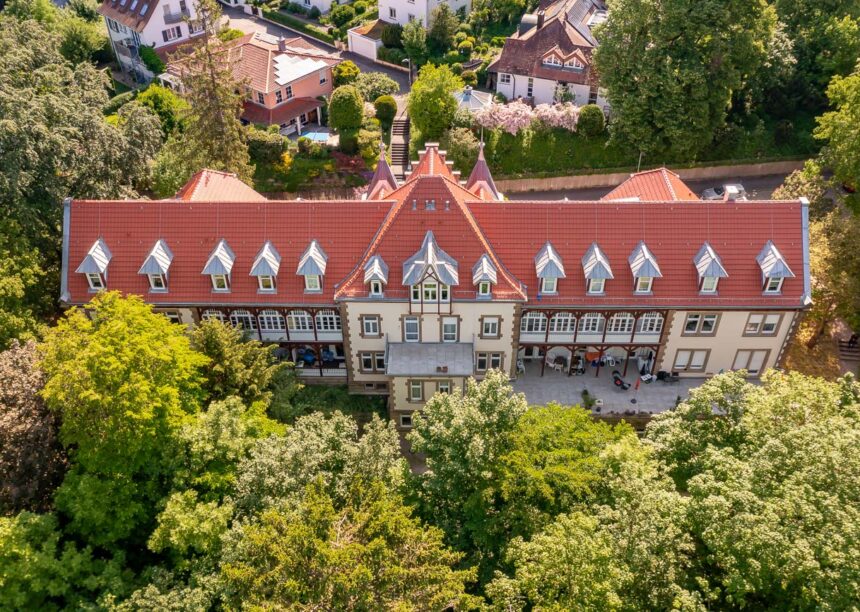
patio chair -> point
(619, 382)
(521, 367)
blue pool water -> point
(316, 136)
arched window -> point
(592, 323)
(328, 321)
(533, 322)
(621, 323)
(271, 321)
(243, 320)
(217, 315)
(650, 323)
(562, 323)
(299, 321)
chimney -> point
(540, 17)
(282, 44)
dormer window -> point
(774, 285)
(574, 63)
(643, 284)
(157, 282)
(549, 285)
(596, 286)
(375, 275)
(95, 281)
(484, 276)
(485, 289)
(709, 284)
(552, 61)
(710, 269)
(376, 288)
(312, 282)
(430, 272)
(266, 283)
(549, 268)
(220, 282)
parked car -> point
(730, 191)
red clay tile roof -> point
(673, 231)
(254, 113)
(122, 12)
(652, 186)
(510, 233)
(214, 186)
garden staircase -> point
(400, 146)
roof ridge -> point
(665, 175)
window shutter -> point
(164, 35)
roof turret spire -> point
(383, 181)
(481, 181)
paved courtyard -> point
(558, 387)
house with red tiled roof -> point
(284, 79)
(427, 282)
(650, 185)
(549, 57)
(160, 24)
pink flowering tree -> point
(511, 118)
(564, 116)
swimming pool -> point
(317, 136)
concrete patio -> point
(558, 387)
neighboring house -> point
(404, 11)
(283, 79)
(428, 282)
(472, 100)
(161, 24)
(551, 52)
(652, 185)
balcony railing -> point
(125, 50)
(171, 17)
(324, 372)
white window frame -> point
(620, 323)
(709, 284)
(650, 323)
(323, 77)
(266, 283)
(530, 88)
(490, 327)
(596, 286)
(376, 288)
(392, 12)
(271, 321)
(744, 357)
(687, 360)
(414, 335)
(504, 78)
(370, 325)
(416, 390)
(592, 323)
(533, 323)
(562, 323)
(773, 286)
(96, 281)
(213, 315)
(552, 61)
(443, 386)
(366, 361)
(157, 283)
(299, 321)
(485, 289)
(222, 286)
(328, 321)
(313, 283)
(482, 362)
(449, 335)
(495, 361)
(406, 420)
(699, 321)
(243, 319)
(549, 285)
(643, 284)
(430, 291)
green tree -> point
(809, 183)
(386, 110)
(392, 35)
(371, 85)
(443, 26)
(461, 146)
(345, 73)
(414, 39)
(81, 39)
(591, 122)
(123, 382)
(431, 102)
(345, 110)
(22, 299)
(31, 459)
(368, 553)
(214, 136)
(167, 105)
(840, 128)
(671, 68)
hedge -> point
(299, 25)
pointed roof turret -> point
(383, 181)
(481, 181)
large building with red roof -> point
(429, 281)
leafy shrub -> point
(296, 8)
(359, 7)
(266, 147)
(116, 102)
(497, 41)
(228, 34)
(342, 14)
(386, 110)
(345, 109)
(452, 57)
(297, 24)
(465, 48)
(392, 35)
(348, 142)
(469, 77)
(463, 118)
(461, 147)
(166, 104)
(345, 73)
(783, 132)
(390, 55)
(371, 85)
(591, 121)
(465, 27)
(312, 149)
(151, 60)
(457, 68)
(314, 13)
(460, 37)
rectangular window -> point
(596, 285)
(530, 89)
(299, 321)
(95, 280)
(430, 291)
(773, 285)
(279, 97)
(173, 316)
(289, 90)
(496, 361)
(484, 288)
(323, 77)
(271, 321)
(620, 324)
(370, 325)
(443, 293)
(366, 362)
(549, 285)
(650, 323)
(533, 323)
(266, 283)
(392, 13)
(490, 327)
(505, 79)
(406, 420)
(156, 282)
(482, 360)
(443, 386)
(171, 33)
(220, 282)
(328, 321)
(411, 329)
(449, 329)
(562, 323)
(690, 360)
(752, 361)
(762, 325)
(416, 293)
(701, 324)
(709, 284)
(379, 361)
(312, 283)
(376, 288)
(592, 323)
(416, 390)
(261, 99)
(643, 284)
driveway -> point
(249, 23)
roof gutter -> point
(804, 228)
(65, 297)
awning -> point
(430, 359)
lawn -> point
(327, 399)
(302, 172)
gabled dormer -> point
(549, 268)
(376, 276)
(383, 181)
(430, 272)
(774, 269)
(219, 266)
(156, 266)
(484, 276)
(267, 263)
(709, 268)
(312, 266)
(596, 269)
(95, 265)
(643, 266)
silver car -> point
(730, 191)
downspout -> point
(804, 223)
(64, 269)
